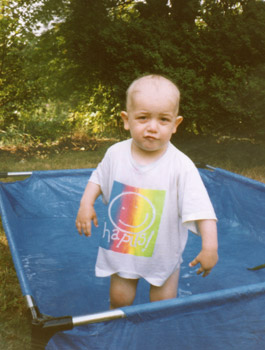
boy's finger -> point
(87, 229)
(205, 272)
(83, 228)
(78, 226)
(200, 270)
(193, 263)
(95, 221)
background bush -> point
(73, 75)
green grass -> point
(65, 155)
(243, 156)
(14, 325)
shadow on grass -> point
(240, 155)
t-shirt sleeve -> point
(193, 199)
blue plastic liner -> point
(56, 267)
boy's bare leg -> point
(122, 291)
(168, 290)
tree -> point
(25, 69)
(109, 43)
(85, 53)
(153, 8)
(13, 91)
(233, 36)
(185, 11)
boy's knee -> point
(168, 290)
(120, 299)
(161, 294)
(122, 292)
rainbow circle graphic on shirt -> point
(134, 216)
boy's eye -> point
(165, 119)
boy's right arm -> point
(86, 212)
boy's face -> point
(152, 117)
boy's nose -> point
(152, 125)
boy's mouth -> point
(149, 137)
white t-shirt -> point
(150, 209)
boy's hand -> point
(208, 256)
(207, 259)
(85, 215)
(86, 212)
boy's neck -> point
(143, 157)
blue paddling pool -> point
(69, 305)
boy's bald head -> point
(154, 81)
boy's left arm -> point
(208, 255)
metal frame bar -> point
(29, 173)
(10, 174)
(98, 317)
(43, 327)
(79, 320)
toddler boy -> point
(154, 195)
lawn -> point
(244, 156)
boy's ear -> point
(124, 116)
(178, 121)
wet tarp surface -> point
(56, 266)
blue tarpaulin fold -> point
(56, 267)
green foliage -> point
(97, 113)
(241, 98)
(44, 123)
(91, 51)
(19, 77)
